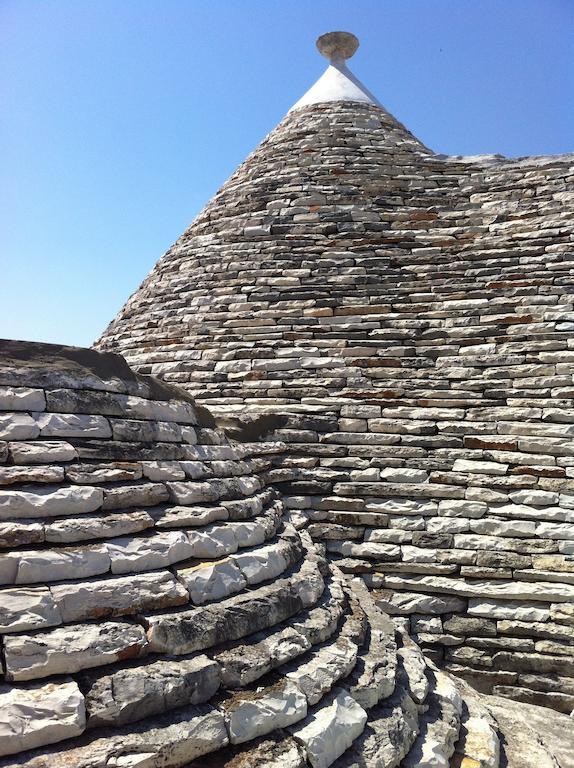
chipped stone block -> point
(134, 495)
(243, 664)
(118, 596)
(24, 609)
(37, 474)
(33, 501)
(18, 426)
(256, 714)
(318, 674)
(132, 694)
(44, 452)
(47, 565)
(132, 554)
(212, 541)
(68, 649)
(22, 399)
(330, 729)
(17, 533)
(104, 526)
(212, 580)
(39, 714)
(73, 425)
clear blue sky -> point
(121, 118)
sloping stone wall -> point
(412, 313)
(158, 610)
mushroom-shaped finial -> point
(337, 46)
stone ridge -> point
(159, 610)
(412, 315)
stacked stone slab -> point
(412, 316)
(157, 610)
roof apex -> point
(337, 83)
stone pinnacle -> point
(337, 46)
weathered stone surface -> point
(35, 501)
(22, 399)
(212, 580)
(72, 425)
(27, 608)
(118, 596)
(68, 649)
(317, 675)
(132, 694)
(145, 553)
(18, 426)
(105, 526)
(49, 565)
(39, 714)
(330, 729)
(42, 452)
(243, 664)
(259, 713)
(508, 590)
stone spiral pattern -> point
(157, 610)
(412, 315)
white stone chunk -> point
(18, 426)
(462, 508)
(481, 744)
(534, 497)
(554, 531)
(195, 470)
(326, 666)
(131, 554)
(162, 470)
(261, 713)
(45, 565)
(212, 581)
(498, 589)
(508, 609)
(159, 410)
(249, 534)
(480, 467)
(36, 715)
(191, 493)
(49, 502)
(213, 541)
(184, 517)
(22, 399)
(23, 609)
(68, 649)
(118, 595)
(42, 452)
(73, 425)
(261, 564)
(331, 729)
(418, 554)
(493, 527)
(402, 506)
(524, 512)
(404, 475)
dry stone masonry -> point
(159, 610)
(412, 316)
(383, 337)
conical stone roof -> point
(158, 610)
(411, 315)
